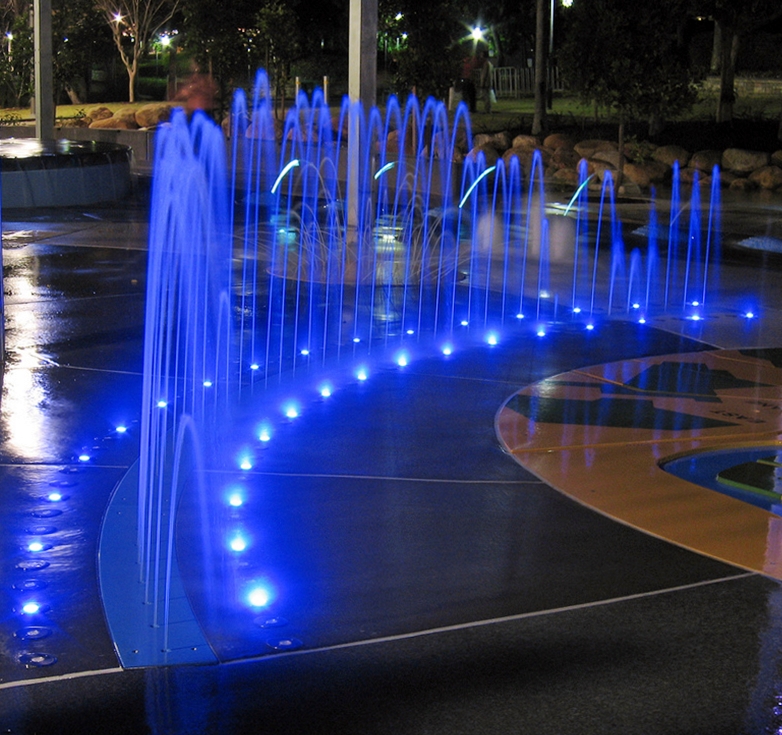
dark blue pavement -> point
(434, 584)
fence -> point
(513, 82)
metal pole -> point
(44, 78)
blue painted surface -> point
(138, 642)
(704, 467)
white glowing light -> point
(492, 339)
(84, 458)
(636, 305)
(362, 374)
(401, 360)
(288, 166)
(255, 366)
(245, 464)
(238, 544)
(696, 303)
(519, 316)
(35, 546)
(325, 391)
(541, 332)
(30, 608)
(590, 327)
(695, 317)
(464, 322)
(357, 339)
(577, 310)
(411, 331)
(447, 350)
(305, 352)
(265, 435)
(208, 384)
(235, 500)
(54, 497)
(121, 429)
(292, 412)
(642, 321)
(258, 597)
(162, 404)
(750, 315)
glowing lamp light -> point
(541, 332)
(255, 366)
(696, 303)
(519, 316)
(54, 497)
(464, 322)
(590, 327)
(84, 458)
(291, 411)
(362, 374)
(235, 500)
(162, 404)
(245, 464)
(476, 33)
(305, 352)
(208, 384)
(750, 315)
(402, 360)
(356, 340)
(642, 321)
(238, 543)
(31, 608)
(325, 391)
(577, 310)
(695, 317)
(411, 331)
(258, 597)
(265, 435)
(35, 546)
(492, 339)
(121, 429)
(447, 350)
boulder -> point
(767, 177)
(149, 116)
(558, 141)
(742, 161)
(705, 160)
(669, 154)
(742, 184)
(564, 157)
(113, 123)
(526, 141)
(489, 153)
(776, 158)
(127, 115)
(602, 169)
(502, 140)
(588, 148)
(480, 139)
(645, 174)
(607, 155)
(565, 176)
(99, 113)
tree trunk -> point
(716, 50)
(727, 98)
(621, 143)
(539, 122)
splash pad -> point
(314, 254)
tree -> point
(81, 39)
(630, 58)
(541, 68)
(734, 23)
(133, 24)
(429, 58)
(16, 64)
(278, 37)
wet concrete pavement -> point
(450, 591)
